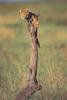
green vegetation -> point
(15, 51)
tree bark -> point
(32, 85)
(33, 60)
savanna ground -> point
(15, 51)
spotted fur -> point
(33, 22)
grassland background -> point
(15, 50)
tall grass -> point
(15, 50)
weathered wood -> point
(33, 59)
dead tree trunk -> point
(34, 59)
(32, 85)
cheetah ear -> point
(27, 10)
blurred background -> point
(33, 0)
(15, 48)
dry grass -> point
(7, 33)
(14, 51)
